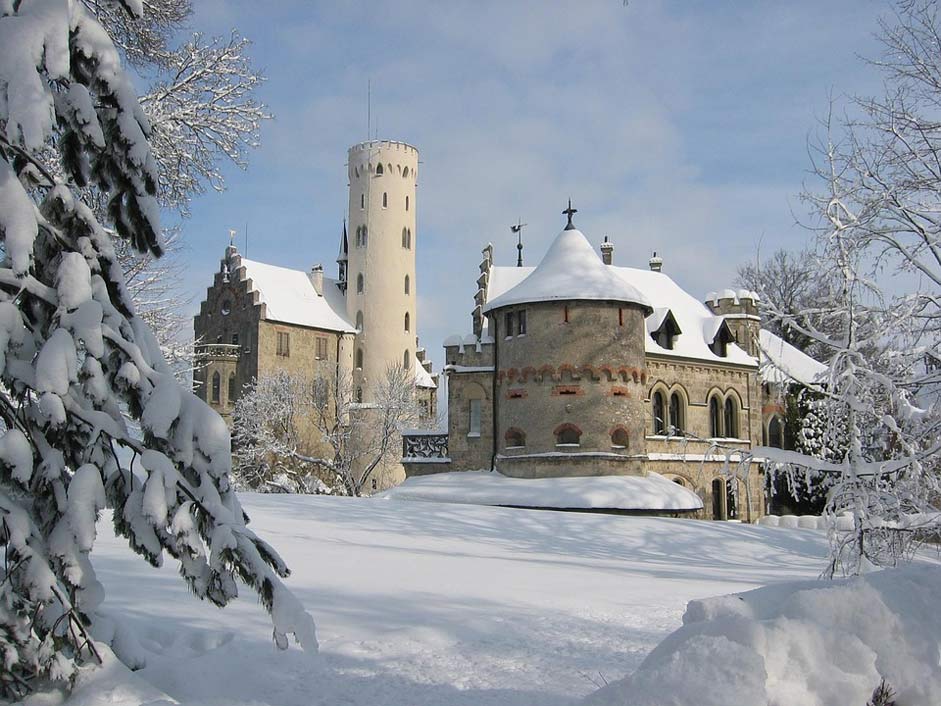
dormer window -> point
(719, 343)
(663, 328)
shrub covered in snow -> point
(74, 356)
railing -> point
(431, 445)
(228, 351)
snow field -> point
(424, 603)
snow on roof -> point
(570, 270)
(664, 294)
(650, 492)
(782, 363)
(422, 377)
(290, 297)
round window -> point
(226, 307)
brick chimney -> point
(607, 251)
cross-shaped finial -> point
(570, 212)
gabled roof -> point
(422, 377)
(571, 270)
(289, 296)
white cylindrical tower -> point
(381, 294)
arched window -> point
(404, 237)
(676, 413)
(359, 358)
(776, 433)
(405, 360)
(233, 388)
(408, 241)
(567, 435)
(515, 438)
(216, 385)
(718, 499)
(362, 201)
(385, 199)
(731, 419)
(405, 172)
(359, 321)
(365, 235)
(408, 322)
(359, 395)
(406, 198)
(379, 169)
(360, 283)
(715, 418)
(619, 438)
(659, 414)
(407, 287)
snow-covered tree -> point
(74, 356)
(885, 473)
(201, 106)
(285, 426)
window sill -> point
(619, 448)
(568, 446)
(473, 435)
(514, 448)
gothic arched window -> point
(715, 418)
(359, 358)
(405, 360)
(379, 169)
(385, 199)
(406, 198)
(731, 419)
(676, 413)
(659, 414)
(776, 433)
(233, 388)
(568, 435)
(404, 237)
(408, 322)
(360, 283)
(406, 284)
(216, 387)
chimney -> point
(316, 278)
(607, 251)
(656, 263)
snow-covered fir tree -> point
(75, 356)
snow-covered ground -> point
(423, 603)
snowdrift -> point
(809, 643)
(652, 492)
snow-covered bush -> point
(74, 356)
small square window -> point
(508, 323)
(284, 344)
(321, 348)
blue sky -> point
(675, 126)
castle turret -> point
(380, 268)
(740, 310)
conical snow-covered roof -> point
(571, 270)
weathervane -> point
(518, 229)
(232, 232)
(570, 212)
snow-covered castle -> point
(578, 367)
(258, 318)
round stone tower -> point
(381, 290)
(570, 368)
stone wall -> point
(469, 369)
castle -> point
(575, 367)
(578, 367)
(259, 318)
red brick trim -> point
(511, 430)
(516, 394)
(618, 391)
(575, 390)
